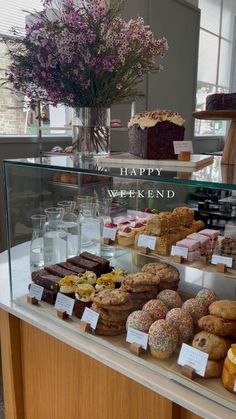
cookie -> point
(111, 297)
(163, 339)
(156, 308)
(154, 268)
(111, 315)
(183, 321)
(169, 274)
(196, 308)
(214, 369)
(170, 286)
(109, 331)
(224, 308)
(170, 298)
(141, 278)
(216, 347)
(218, 326)
(207, 295)
(138, 288)
(148, 295)
(139, 320)
(111, 324)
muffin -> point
(68, 285)
(229, 370)
(83, 298)
(163, 339)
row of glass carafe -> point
(61, 234)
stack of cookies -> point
(142, 287)
(113, 307)
(168, 275)
(219, 330)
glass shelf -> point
(215, 175)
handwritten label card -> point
(193, 358)
(179, 251)
(222, 259)
(135, 336)
(109, 233)
(36, 291)
(91, 317)
(180, 146)
(147, 241)
(64, 303)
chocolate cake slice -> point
(86, 264)
(103, 263)
(151, 134)
(39, 273)
(221, 102)
(73, 268)
(58, 270)
(49, 282)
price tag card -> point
(135, 336)
(147, 241)
(179, 251)
(109, 233)
(193, 358)
(180, 146)
(222, 259)
(36, 291)
(64, 303)
(90, 317)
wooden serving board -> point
(198, 161)
(211, 388)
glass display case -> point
(100, 222)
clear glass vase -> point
(91, 132)
(55, 237)
(37, 245)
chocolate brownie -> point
(49, 282)
(48, 295)
(36, 274)
(221, 101)
(104, 263)
(86, 264)
(72, 268)
(58, 270)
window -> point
(216, 51)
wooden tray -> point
(198, 161)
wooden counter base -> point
(45, 378)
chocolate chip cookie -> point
(224, 308)
(218, 326)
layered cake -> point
(221, 102)
(151, 134)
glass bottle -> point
(37, 245)
(90, 229)
(55, 237)
(70, 223)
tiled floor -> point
(1, 396)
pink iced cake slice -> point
(194, 256)
(212, 234)
(203, 240)
(188, 244)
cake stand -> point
(229, 154)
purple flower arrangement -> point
(83, 55)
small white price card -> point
(90, 317)
(135, 336)
(109, 233)
(147, 241)
(193, 358)
(222, 259)
(179, 251)
(235, 386)
(180, 146)
(36, 291)
(64, 303)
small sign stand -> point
(62, 314)
(184, 156)
(189, 372)
(85, 327)
(221, 268)
(178, 259)
(107, 241)
(144, 250)
(32, 300)
(136, 349)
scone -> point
(215, 346)
(218, 326)
(229, 370)
(224, 308)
